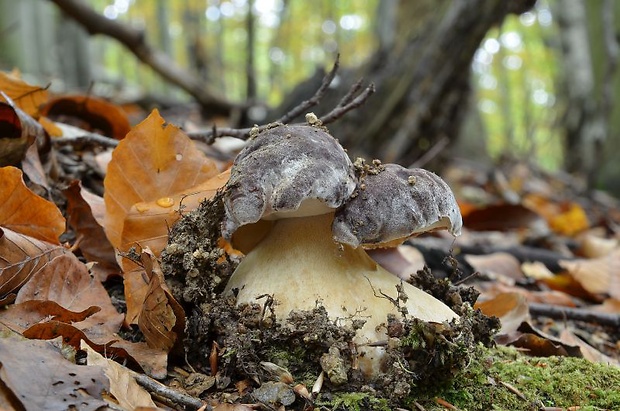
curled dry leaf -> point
(590, 353)
(123, 386)
(49, 381)
(154, 162)
(89, 113)
(91, 238)
(27, 97)
(145, 220)
(150, 304)
(503, 217)
(67, 281)
(497, 264)
(510, 308)
(19, 131)
(153, 362)
(19, 317)
(25, 212)
(598, 275)
(21, 257)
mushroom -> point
(291, 181)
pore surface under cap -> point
(395, 204)
(281, 168)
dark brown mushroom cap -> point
(395, 204)
(285, 168)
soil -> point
(306, 360)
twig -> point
(346, 104)
(87, 138)
(576, 314)
(341, 109)
(166, 392)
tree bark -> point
(423, 81)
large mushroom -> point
(290, 181)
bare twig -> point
(86, 138)
(349, 102)
(341, 109)
(176, 397)
(576, 314)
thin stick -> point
(576, 314)
(341, 109)
(164, 391)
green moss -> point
(354, 401)
(495, 375)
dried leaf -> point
(589, 352)
(20, 258)
(123, 386)
(91, 238)
(151, 361)
(510, 308)
(19, 131)
(67, 281)
(496, 264)
(24, 212)
(147, 223)
(27, 97)
(598, 275)
(502, 217)
(42, 379)
(161, 319)
(89, 113)
(155, 161)
(19, 317)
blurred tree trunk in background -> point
(583, 123)
(603, 25)
(422, 76)
(73, 54)
(33, 23)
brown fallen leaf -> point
(151, 304)
(27, 97)
(67, 281)
(155, 161)
(89, 113)
(40, 378)
(597, 275)
(21, 257)
(503, 217)
(147, 223)
(19, 317)
(19, 131)
(25, 212)
(589, 352)
(91, 240)
(510, 308)
(150, 361)
(496, 264)
(123, 386)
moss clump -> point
(490, 381)
(353, 401)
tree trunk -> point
(423, 80)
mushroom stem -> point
(299, 264)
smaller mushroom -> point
(394, 204)
(295, 179)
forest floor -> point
(88, 327)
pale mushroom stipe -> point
(313, 210)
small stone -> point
(334, 366)
(274, 393)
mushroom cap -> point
(287, 171)
(395, 204)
